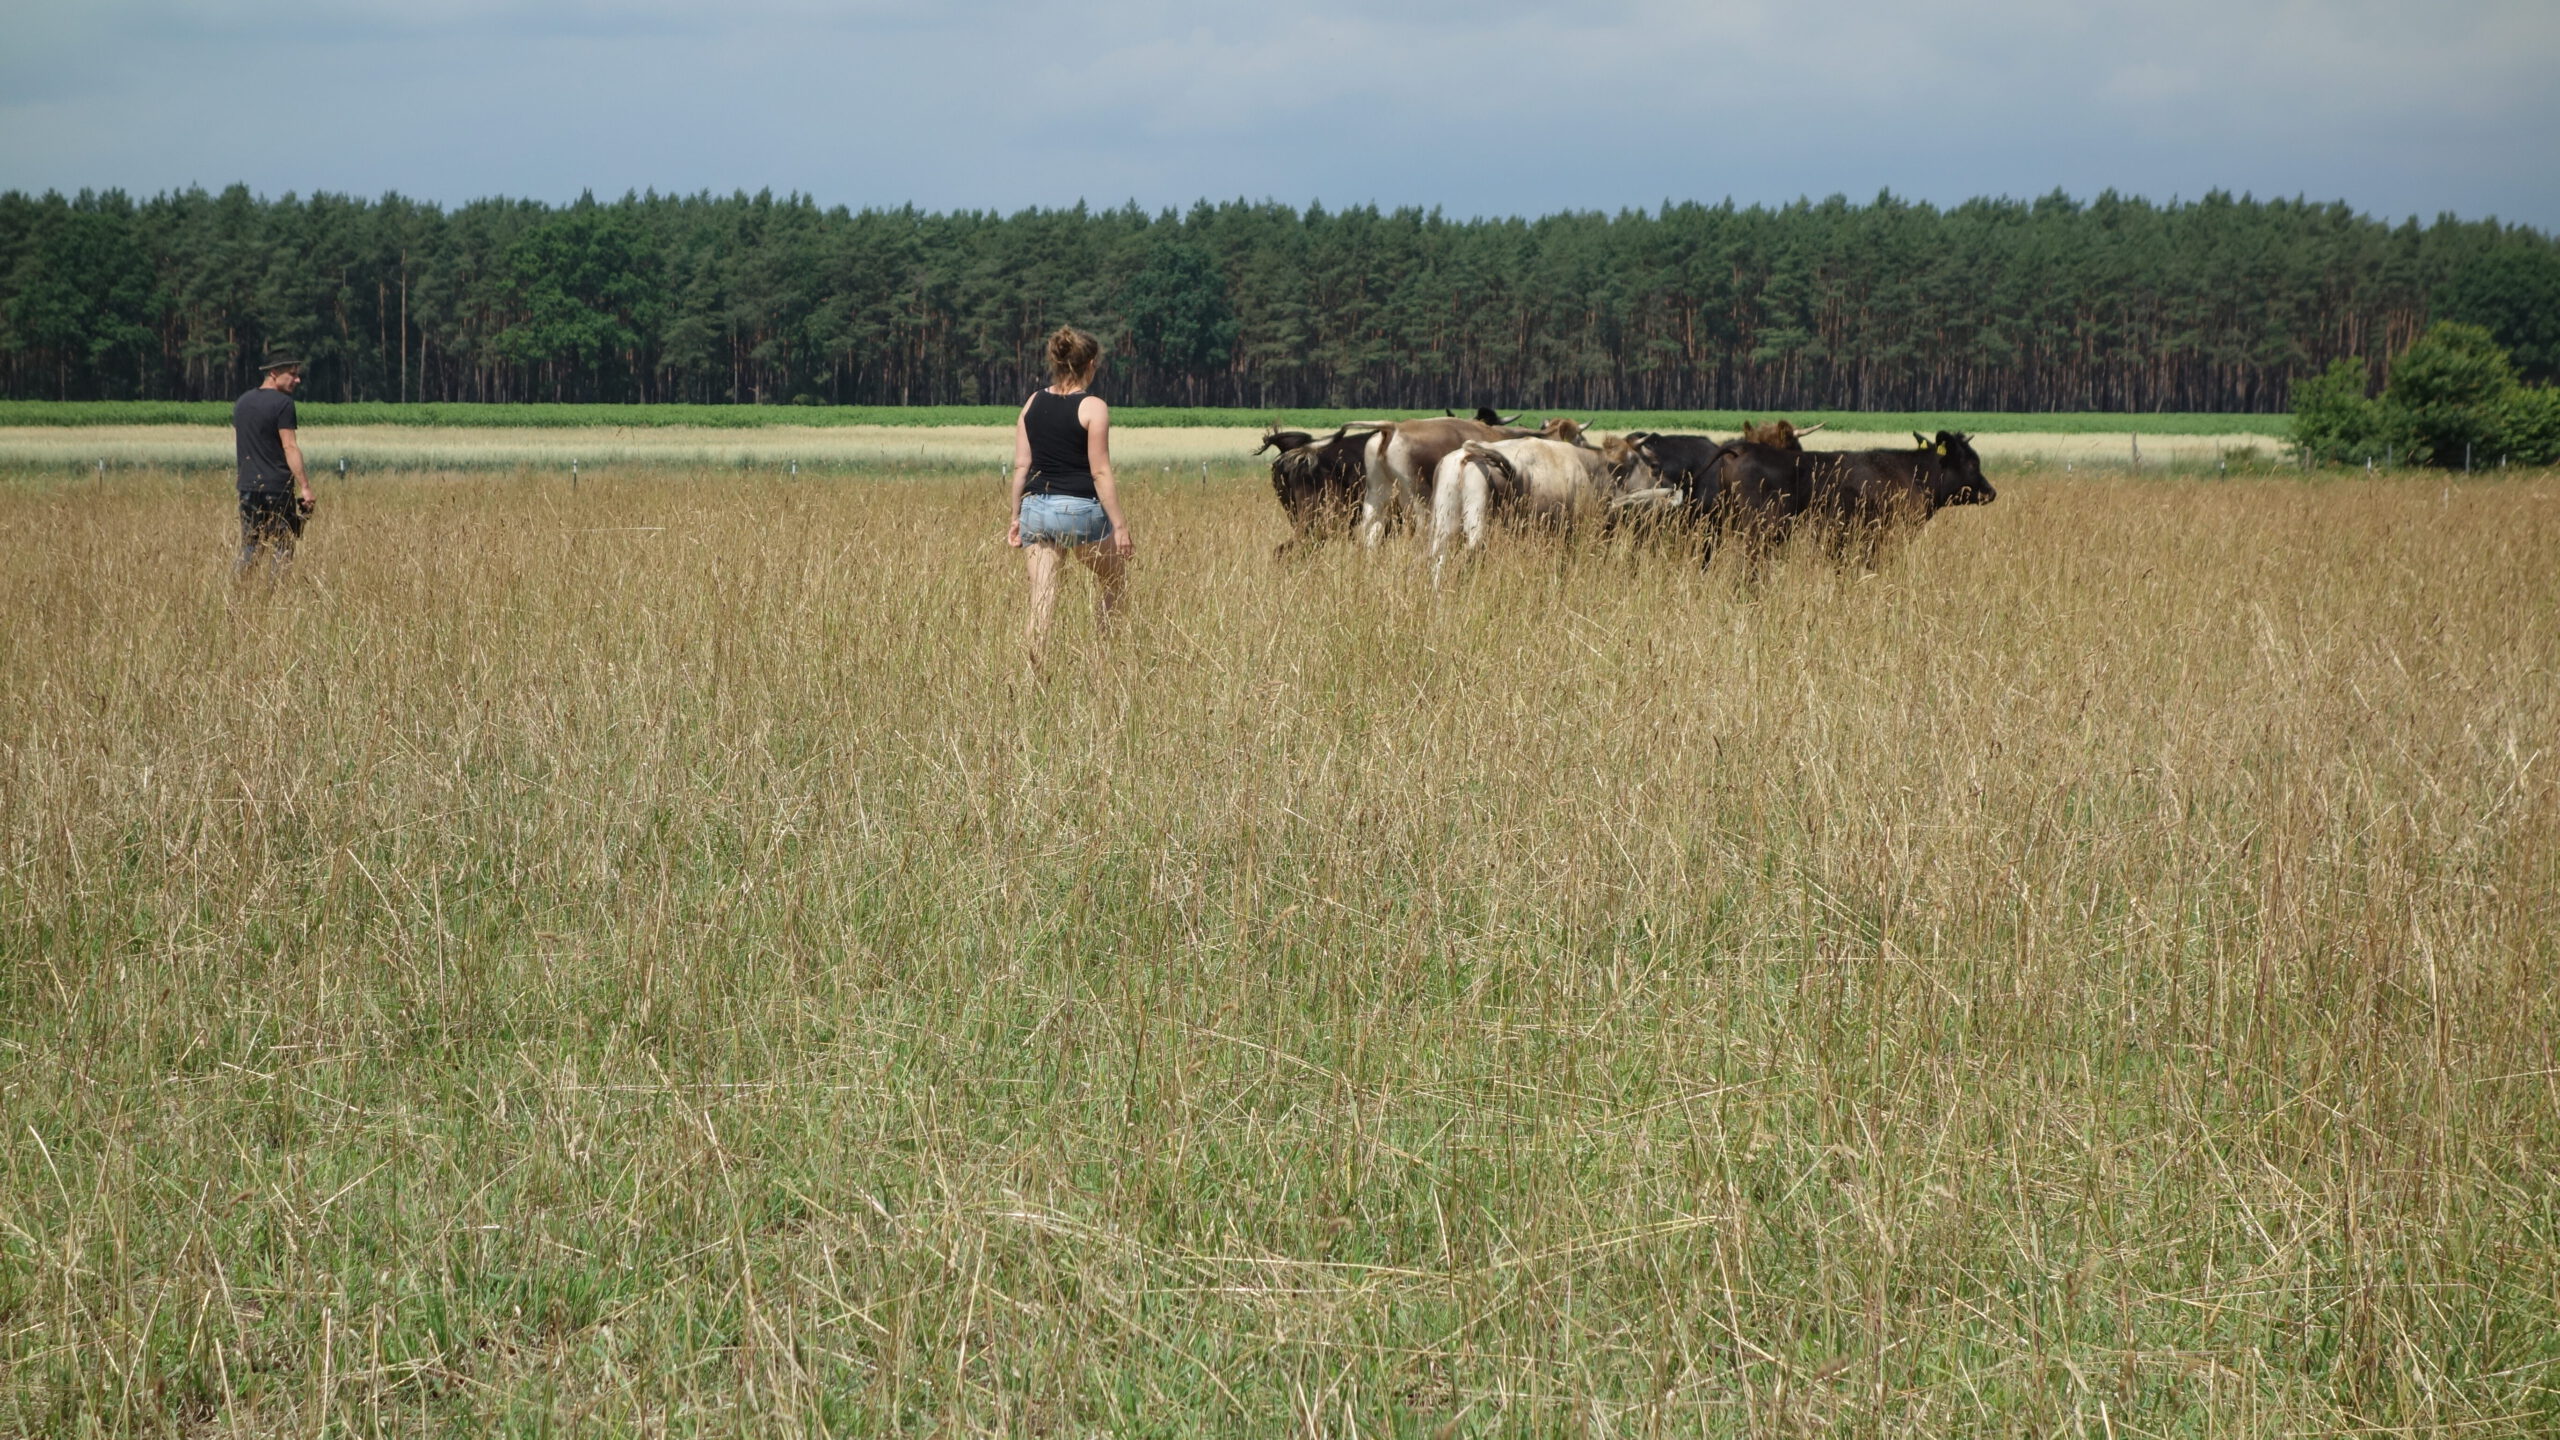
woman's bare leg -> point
(1042, 561)
(1113, 572)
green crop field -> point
(17, 413)
(646, 959)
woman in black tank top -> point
(1065, 500)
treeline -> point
(2115, 304)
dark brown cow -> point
(1318, 479)
(1859, 497)
(1685, 471)
(1855, 498)
(1688, 463)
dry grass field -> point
(645, 961)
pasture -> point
(645, 960)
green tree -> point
(1179, 319)
(2446, 394)
(2333, 419)
(582, 279)
(2528, 428)
(2513, 292)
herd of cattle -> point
(1367, 477)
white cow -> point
(1558, 482)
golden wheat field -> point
(645, 960)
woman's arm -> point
(1096, 415)
(1021, 475)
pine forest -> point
(2053, 304)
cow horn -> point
(1809, 429)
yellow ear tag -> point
(1942, 449)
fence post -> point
(573, 477)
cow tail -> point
(1497, 469)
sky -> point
(1484, 108)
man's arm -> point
(293, 462)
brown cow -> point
(1403, 455)
(1318, 481)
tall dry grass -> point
(643, 961)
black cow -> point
(1726, 484)
(1888, 487)
(1690, 463)
(1854, 499)
(1319, 480)
(1683, 462)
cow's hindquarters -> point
(1378, 497)
(1461, 500)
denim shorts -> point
(1063, 520)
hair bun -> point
(1072, 354)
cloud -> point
(1484, 108)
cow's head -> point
(1624, 459)
(1957, 477)
(1487, 415)
(1777, 434)
(1560, 428)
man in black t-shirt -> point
(275, 490)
